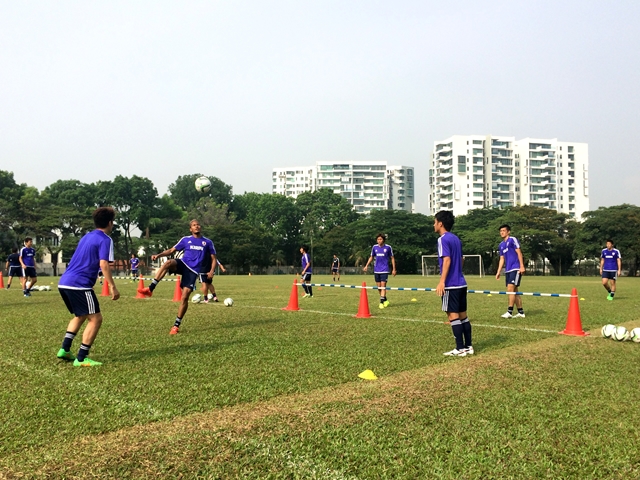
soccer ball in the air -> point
(635, 335)
(228, 302)
(620, 334)
(608, 330)
(203, 184)
(197, 298)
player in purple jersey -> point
(511, 259)
(306, 272)
(452, 286)
(14, 268)
(382, 255)
(28, 262)
(195, 248)
(610, 268)
(95, 250)
(134, 263)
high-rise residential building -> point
(476, 171)
(366, 185)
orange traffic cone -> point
(293, 298)
(1, 281)
(105, 290)
(177, 293)
(363, 309)
(574, 323)
(140, 287)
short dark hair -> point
(102, 216)
(27, 239)
(305, 248)
(14, 250)
(384, 237)
(609, 241)
(508, 227)
(447, 219)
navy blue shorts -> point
(513, 278)
(306, 278)
(334, 270)
(15, 271)
(188, 276)
(205, 279)
(381, 277)
(134, 273)
(610, 275)
(30, 272)
(455, 300)
(80, 302)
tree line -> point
(253, 231)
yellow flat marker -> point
(368, 375)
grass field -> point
(254, 392)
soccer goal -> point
(472, 265)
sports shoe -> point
(506, 315)
(306, 295)
(468, 350)
(174, 330)
(519, 315)
(386, 303)
(64, 355)
(455, 353)
(381, 306)
(609, 297)
(146, 291)
(87, 362)
(215, 299)
(206, 300)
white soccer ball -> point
(203, 184)
(27, 285)
(197, 298)
(620, 334)
(635, 335)
(228, 302)
(210, 297)
(607, 330)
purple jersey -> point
(28, 256)
(381, 258)
(610, 259)
(83, 268)
(450, 246)
(195, 249)
(508, 251)
(305, 262)
(134, 263)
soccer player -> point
(306, 272)
(14, 268)
(452, 286)
(207, 282)
(335, 267)
(135, 262)
(28, 263)
(610, 268)
(511, 259)
(381, 255)
(196, 248)
(94, 250)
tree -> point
(323, 210)
(184, 194)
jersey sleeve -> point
(181, 245)
(515, 242)
(212, 248)
(602, 254)
(443, 248)
(106, 250)
(390, 251)
(373, 254)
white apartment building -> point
(366, 185)
(476, 171)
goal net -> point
(472, 265)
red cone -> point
(105, 290)
(363, 308)
(1, 281)
(574, 323)
(177, 293)
(293, 298)
(140, 287)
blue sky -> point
(90, 90)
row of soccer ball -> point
(197, 298)
(40, 288)
(620, 333)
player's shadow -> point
(173, 350)
(249, 323)
(492, 342)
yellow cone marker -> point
(414, 300)
(582, 299)
(489, 295)
(368, 375)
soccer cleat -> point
(506, 315)
(609, 297)
(386, 303)
(206, 300)
(381, 306)
(174, 330)
(87, 362)
(64, 355)
(519, 315)
(455, 353)
(145, 291)
(215, 299)
(306, 295)
(468, 350)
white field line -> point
(120, 404)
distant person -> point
(452, 286)
(305, 275)
(610, 268)
(207, 282)
(196, 248)
(511, 259)
(135, 263)
(95, 250)
(335, 267)
(14, 268)
(28, 263)
(382, 257)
